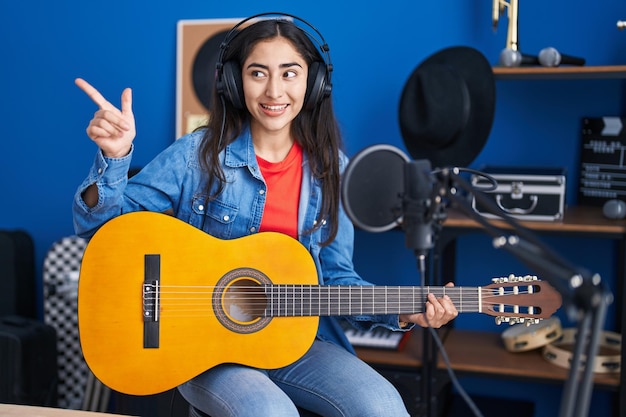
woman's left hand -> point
(438, 312)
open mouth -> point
(274, 108)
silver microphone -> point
(513, 58)
(550, 57)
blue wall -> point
(44, 152)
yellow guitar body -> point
(111, 306)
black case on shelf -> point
(524, 193)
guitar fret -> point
(385, 300)
(349, 301)
(289, 298)
(360, 290)
(301, 300)
(398, 304)
(327, 299)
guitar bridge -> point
(151, 298)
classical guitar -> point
(160, 301)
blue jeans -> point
(328, 380)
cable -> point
(455, 382)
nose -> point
(274, 87)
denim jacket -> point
(175, 180)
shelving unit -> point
(483, 353)
(579, 221)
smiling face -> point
(274, 80)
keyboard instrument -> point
(378, 338)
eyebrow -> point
(286, 65)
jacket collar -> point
(240, 152)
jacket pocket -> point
(216, 217)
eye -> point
(257, 74)
(290, 74)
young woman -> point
(269, 159)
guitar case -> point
(78, 389)
(28, 359)
(17, 274)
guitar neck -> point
(347, 300)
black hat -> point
(447, 107)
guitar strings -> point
(295, 300)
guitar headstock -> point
(519, 299)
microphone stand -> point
(584, 294)
(421, 211)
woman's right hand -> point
(113, 130)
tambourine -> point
(522, 337)
(560, 352)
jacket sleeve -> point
(110, 175)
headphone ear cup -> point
(232, 86)
(318, 87)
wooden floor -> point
(11, 410)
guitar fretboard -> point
(349, 300)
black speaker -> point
(28, 359)
(17, 274)
(229, 84)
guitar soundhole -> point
(239, 300)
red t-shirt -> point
(283, 180)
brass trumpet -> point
(511, 7)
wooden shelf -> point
(560, 73)
(484, 353)
(479, 353)
(576, 219)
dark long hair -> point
(316, 129)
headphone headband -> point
(233, 32)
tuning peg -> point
(530, 278)
(516, 320)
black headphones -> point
(229, 84)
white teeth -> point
(275, 108)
